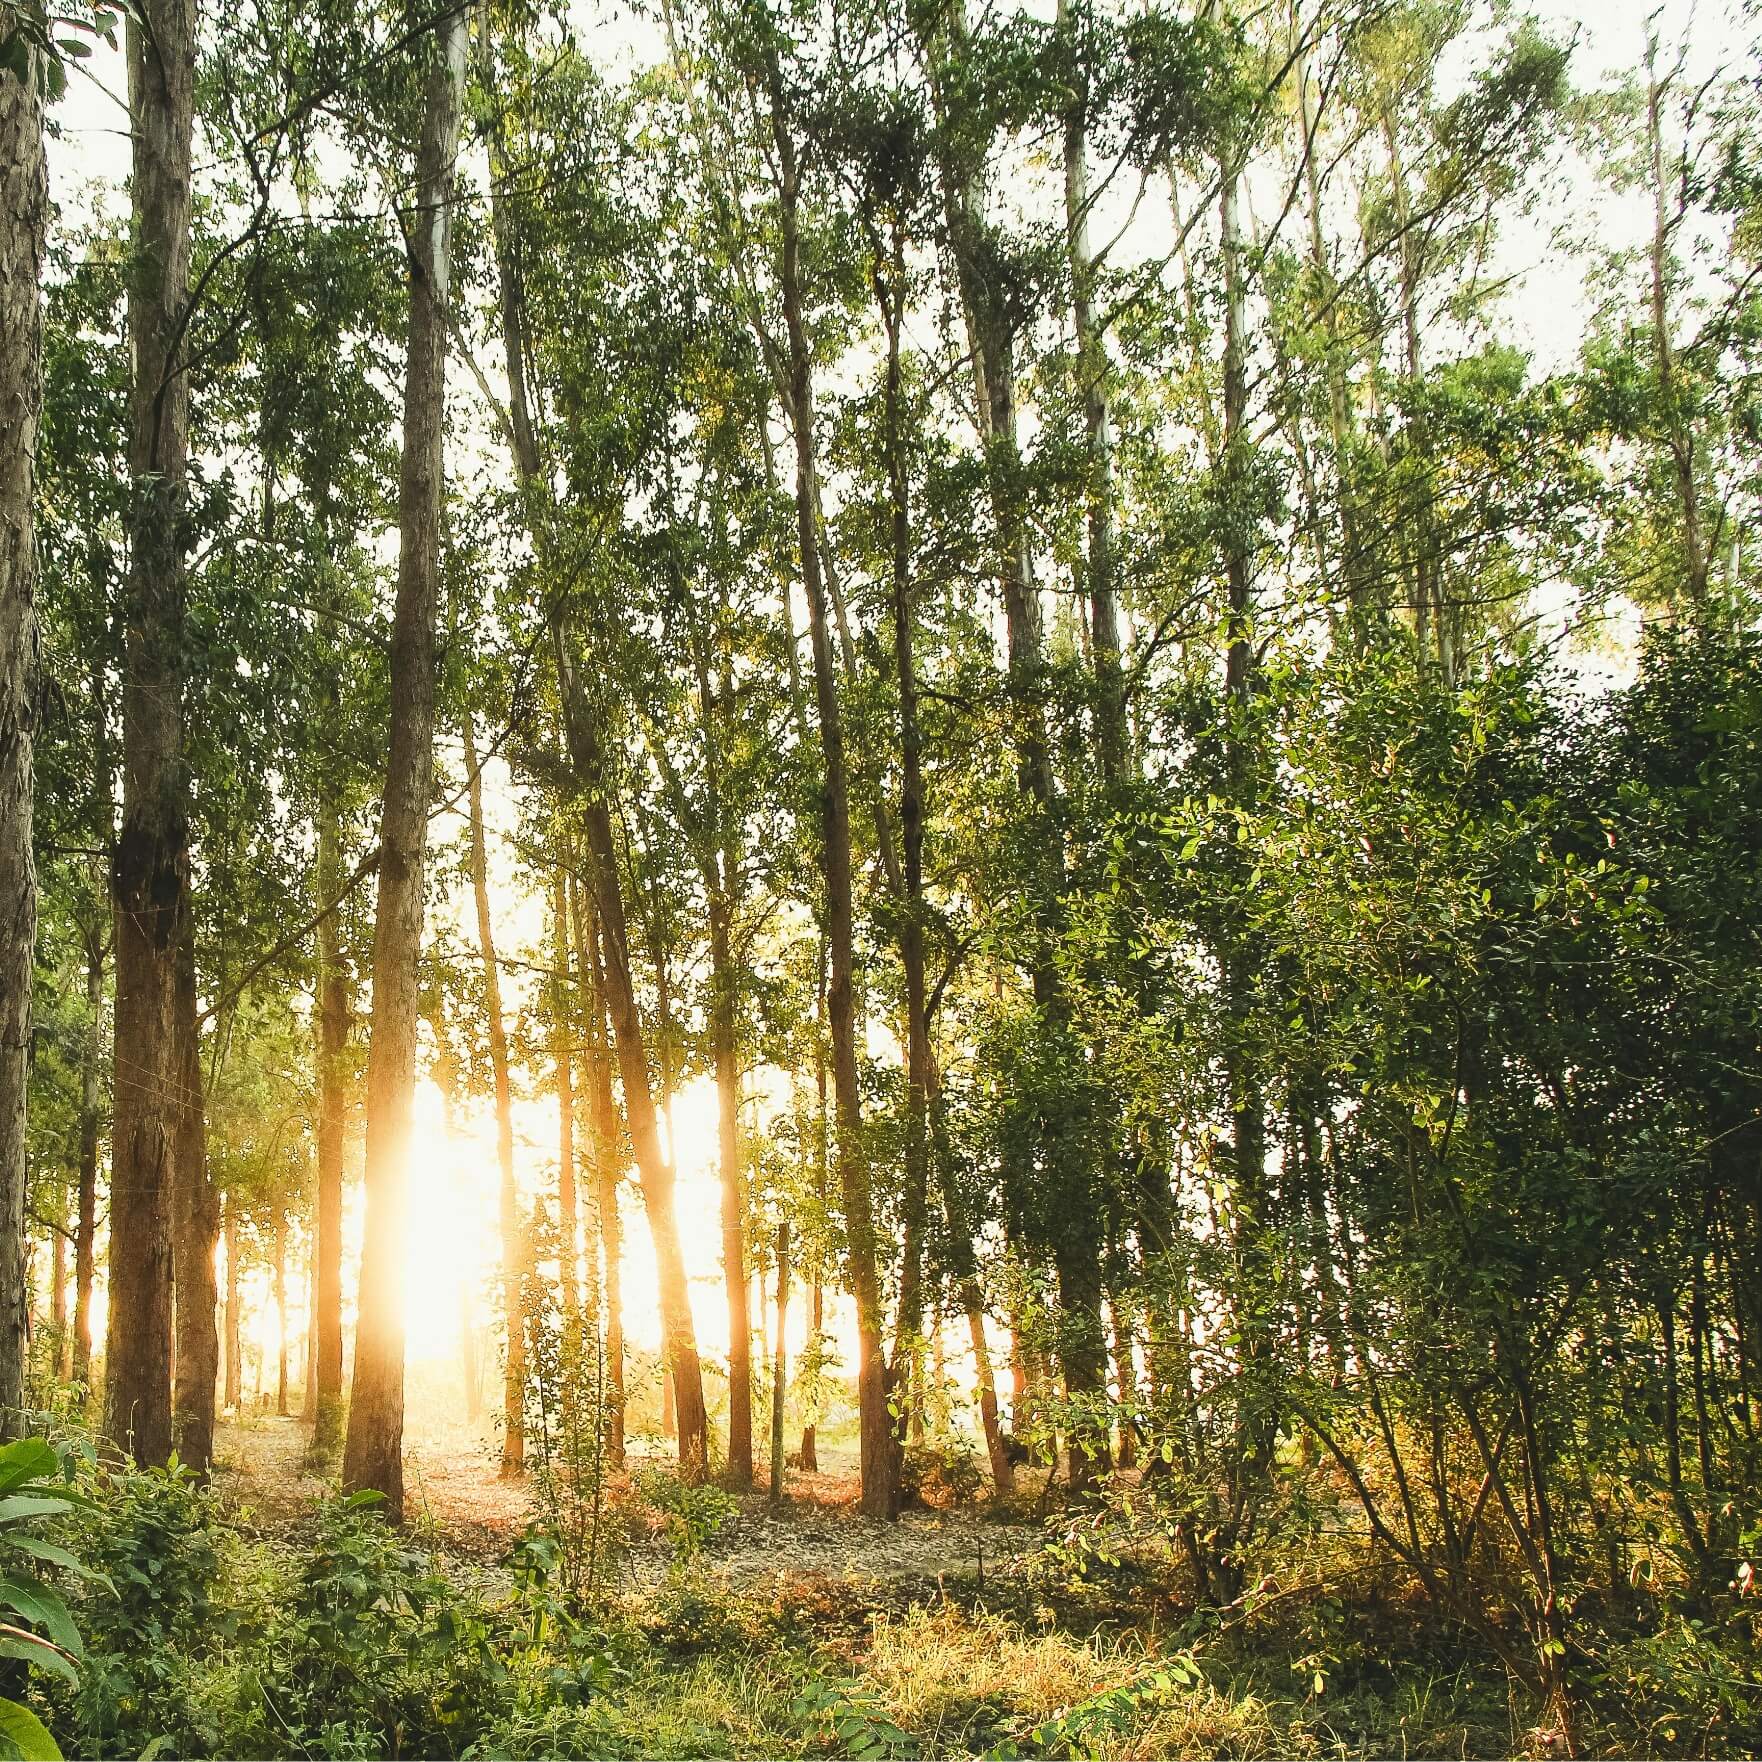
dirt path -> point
(818, 1535)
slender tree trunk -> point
(235, 1376)
(150, 876)
(991, 332)
(890, 294)
(373, 1448)
(281, 1313)
(1340, 424)
(966, 1271)
(1680, 436)
(197, 1229)
(654, 1172)
(810, 1456)
(85, 1253)
(722, 1031)
(333, 1036)
(58, 1305)
(513, 1235)
(780, 1361)
(309, 1347)
(607, 1160)
(1093, 375)
(876, 1443)
(609, 931)
(563, 1019)
(24, 215)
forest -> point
(880, 878)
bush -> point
(153, 1540)
(944, 1473)
(691, 1513)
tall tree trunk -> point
(58, 1305)
(1093, 376)
(150, 877)
(1340, 423)
(966, 1272)
(333, 1037)
(889, 275)
(235, 1375)
(373, 1450)
(1241, 954)
(607, 1160)
(991, 332)
(1679, 435)
(723, 982)
(780, 1361)
(563, 1019)
(197, 1232)
(445, 1074)
(309, 1346)
(810, 1454)
(608, 931)
(654, 1171)
(876, 1443)
(281, 1312)
(24, 215)
(513, 1234)
(85, 1252)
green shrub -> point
(38, 1632)
(692, 1513)
(943, 1472)
(153, 1538)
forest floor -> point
(813, 1630)
(451, 1478)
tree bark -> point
(150, 875)
(890, 295)
(607, 1161)
(85, 1252)
(780, 1361)
(373, 1448)
(1680, 436)
(235, 1373)
(991, 328)
(58, 1305)
(810, 1451)
(563, 1059)
(876, 1442)
(513, 1234)
(654, 1172)
(723, 1034)
(281, 1313)
(197, 1232)
(333, 1037)
(1093, 375)
(24, 215)
(309, 1345)
(966, 1271)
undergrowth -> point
(207, 1635)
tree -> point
(150, 875)
(373, 1446)
(24, 203)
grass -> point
(806, 1665)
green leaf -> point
(26, 1459)
(15, 1642)
(54, 1554)
(27, 1733)
(41, 1605)
(17, 1505)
